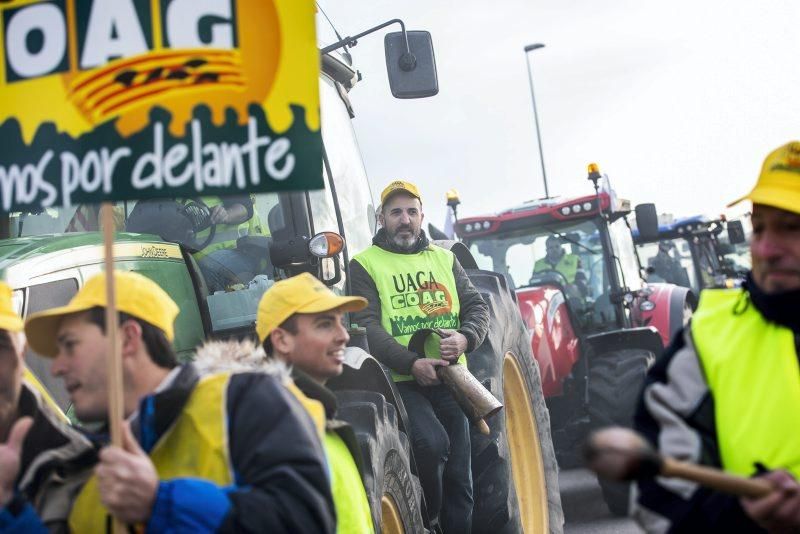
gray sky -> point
(677, 101)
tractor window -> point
(347, 179)
(569, 256)
(347, 169)
(625, 251)
(42, 297)
(669, 261)
(53, 221)
(706, 260)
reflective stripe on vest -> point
(353, 515)
(567, 265)
(195, 446)
(752, 371)
(30, 380)
(416, 291)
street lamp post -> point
(530, 48)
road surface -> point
(584, 508)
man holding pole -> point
(223, 452)
(411, 284)
(726, 393)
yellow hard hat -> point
(135, 295)
(300, 294)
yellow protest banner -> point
(132, 99)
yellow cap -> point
(135, 295)
(9, 319)
(300, 294)
(400, 185)
(779, 182)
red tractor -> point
(595, 325)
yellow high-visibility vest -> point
(416, 291)
(752, 370)
(196, 446)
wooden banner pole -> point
(116, 408)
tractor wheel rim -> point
(527, 467)
(391, 523)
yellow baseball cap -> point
(399, 185)
(9, 319)
(135, 295)
(779, 182)
(300, 294)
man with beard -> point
(727, 391)
(411, 284)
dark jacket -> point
(677, 402)
(281, 473)
(56, 460)
(474, 315)
(280, 468)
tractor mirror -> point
(647, 221)
(412, 68)
(735, 232)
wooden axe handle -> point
(716, 479)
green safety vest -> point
(254, 226)
(751, 366)
(353, 515)
(416, 291)
(195, 446)
(567, 265)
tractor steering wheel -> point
(199, 214)
(538, 277)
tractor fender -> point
(362, 371)
(461, 252)
(673, 309)
(646, 338)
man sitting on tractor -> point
(210, 227)
(221, 263)
(666, 267)
(557, 259)
(411, 284)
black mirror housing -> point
(647, 221)
(411, 75)
(735, 232)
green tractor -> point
(46, 261)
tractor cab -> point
(579, 246)
(694, 252)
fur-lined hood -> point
(238, 357)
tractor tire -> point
(615, 383)
(514, 469)
(394, 493)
